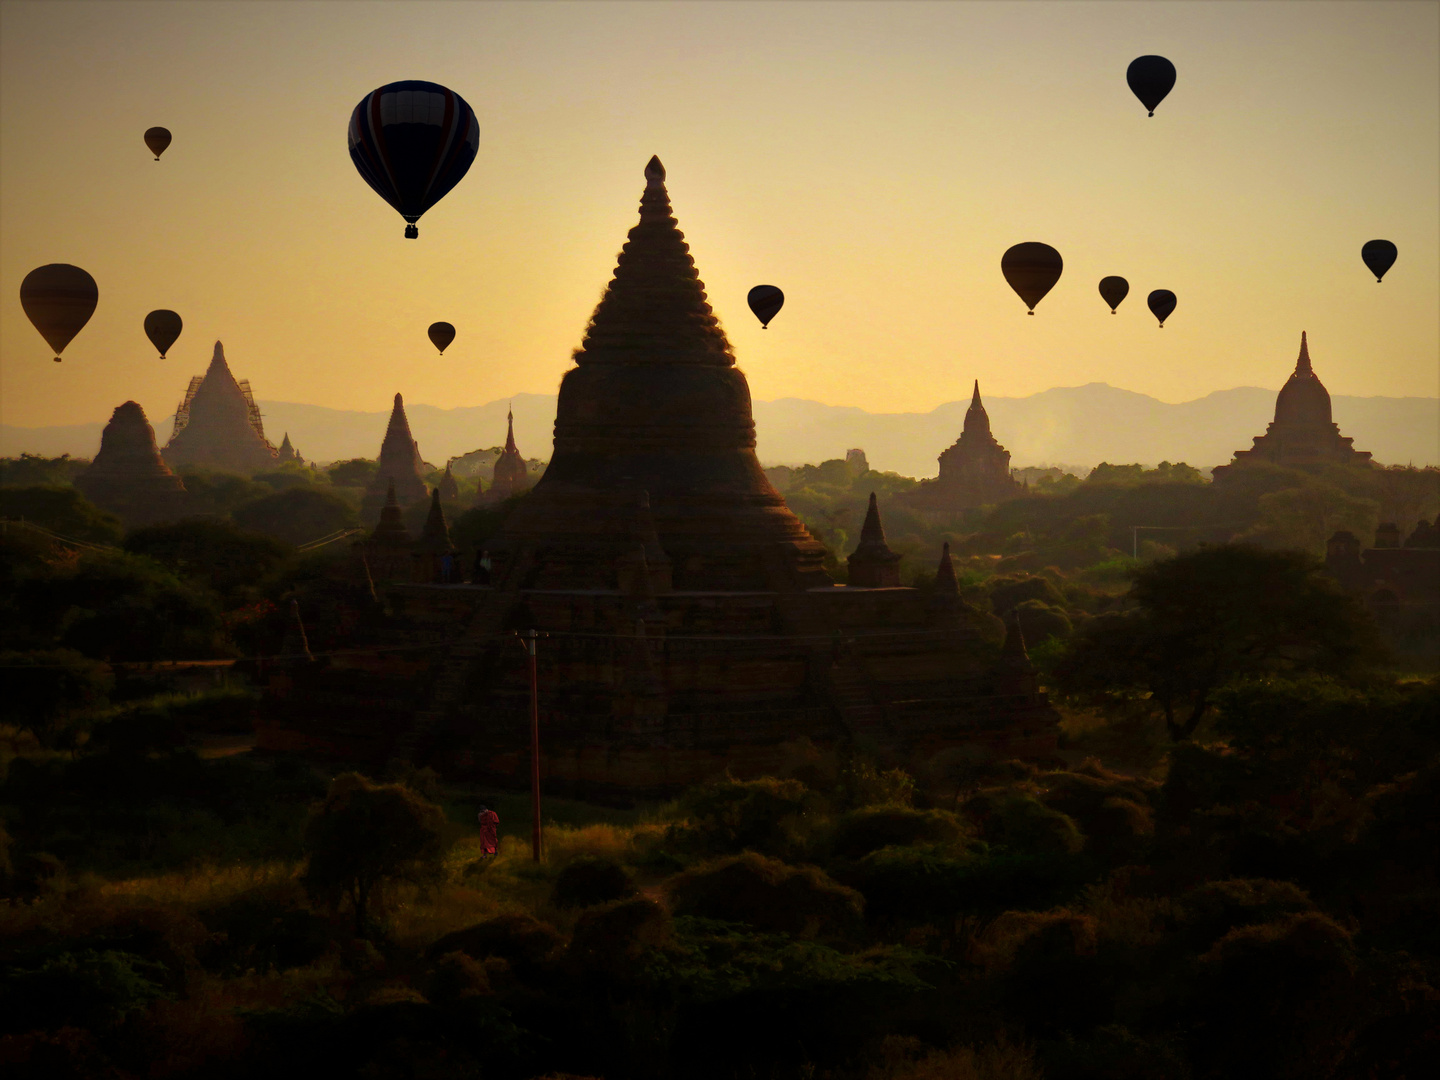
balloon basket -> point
(411, 232)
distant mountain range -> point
(1077, 426)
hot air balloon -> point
(1113, 290)
(1032, 269)
(1162, 303)
(412, 142)
(1150, 79)
(1379, 256)
(765, 301)
(157, 139)
(441, 335)
(162, 327)
(59, 299)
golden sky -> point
(874, 160)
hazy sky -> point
(872, 159)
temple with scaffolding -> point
(218, 425)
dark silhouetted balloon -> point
(412, 142)
(441, 335)
(162, 327)
(1032, 269)
(765, 301)
(1150, 79)
(59, 299)
(1379, 256)
(1113, 290)
(157, 139)
(1162, 303)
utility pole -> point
(529, 643)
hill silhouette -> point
(1078, 426)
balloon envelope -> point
(1162, 303)
(1032, 269)
(157, 139)
(1379, 256)
(59, 299)
(765, 301)
(1150, 79)
(1113, 290)
(162, 327)
(412, 142)
(441, 335)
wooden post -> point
(534, 747)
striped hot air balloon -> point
(412, 142)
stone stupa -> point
(511, 475)
(655, 404)
(399, 464)
(975, 471)
(217, 425)
(128, 477)
(1302, 433)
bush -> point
(610, 938)
(767, 894)
(765, 815)
(1007, 592)
(588, 882)
(870, 828)
(522, 940)
(1022, 823)
(46, 690)
(218, 554)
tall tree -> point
(1208, 617)
(365, 834)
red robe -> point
(489, 823)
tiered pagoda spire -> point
(973, 472)
(1303, 432)
(399, 462)
(872, 564)
(511, 475)
(128, 476)
(655, 403)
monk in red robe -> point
(489, 830)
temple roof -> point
(976, 418)
(391, 529)
(1303, 401)
(436, 534)
(872, 544)
(222, 427)
(399, 460)
(947, 589)
(655, 307)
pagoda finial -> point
(976, 418)
(510, 446)
(1302, 365)
(217, 358)
(872, 532)
(655, 310)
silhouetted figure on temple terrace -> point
(489, 831)
(218, 424)
(480, 574)
(128, 476)
(1302, 433)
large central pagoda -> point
(686, 625)
(656, 408)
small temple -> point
(975, 471)
(449, 487)
(686, 623)
(1302, 433)
(287, 452)
(218, 424)
(399, 464)
(511, 475)
(128, 477)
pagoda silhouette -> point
(218, 425)
(688, 624)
